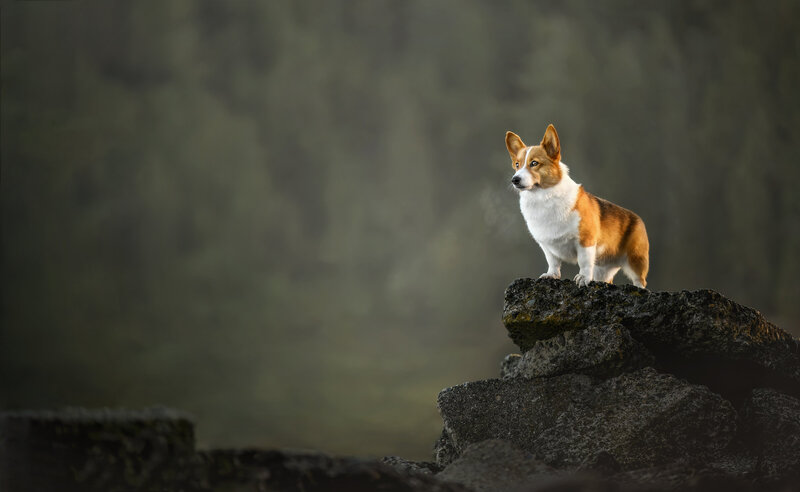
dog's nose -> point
(515, 180)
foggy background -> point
(294, 220)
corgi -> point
(572, 225)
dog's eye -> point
(516, 165)
(534, 163)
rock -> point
(444, 452)
(508, 368)
(682, 476)
(701, 335)
(597, 351)
(404, 465)
(642, 418)
(771, 426)
(246, 470)
(79, 450)
(109, 450)
(602, 463)
(496, 465)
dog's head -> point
(536, 166)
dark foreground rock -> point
(79, 450)
(280, 470)
(771, 426)
(427, 467)
(110, 450)
(497, 465)
(641, 419)
(701, 335)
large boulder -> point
(641, 419)
(635, 388)
(700, 335)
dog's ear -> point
(551, 144)
(513, 144)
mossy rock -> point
(700, 335)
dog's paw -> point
(582, 280)
(550, 275)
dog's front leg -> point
(553, 264)
(586, 263)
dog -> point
(572, 225)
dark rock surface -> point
(405, 465)
(280, 470)
(497, 466)
(681, 476)
(79, 450)
(602, 463)
(508, 367)
(603, 351)
(87, 450)
(771, 425)
(701, 335)
(444, 452)
(641, 418)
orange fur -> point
(614, 230)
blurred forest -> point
(294, 219)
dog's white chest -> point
(552, 219)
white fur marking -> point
(551, 217)
(586, 258)
(527, 154)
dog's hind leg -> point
(636, 269)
